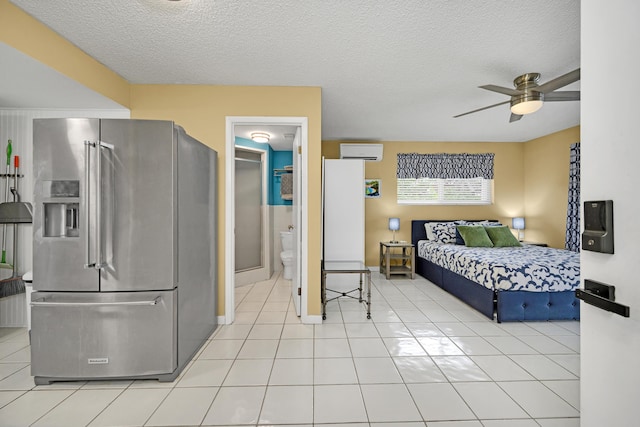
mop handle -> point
(16, 198)
(16, 165)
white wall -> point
(17, 125)
(610, 155)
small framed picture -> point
(372, 188)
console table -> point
(345, 267)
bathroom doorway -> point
(280, 217)
(252, 242)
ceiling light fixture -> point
(527, 103)
(260, 137)
(530, 101)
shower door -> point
(250, 205)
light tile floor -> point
(424, 359)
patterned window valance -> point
(445, 166)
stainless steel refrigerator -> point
(124, 249)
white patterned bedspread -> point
(526, 268)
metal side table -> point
(344, 267)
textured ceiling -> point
(393, 70)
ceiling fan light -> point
(260, 137)
(526, 107)
(527, 103)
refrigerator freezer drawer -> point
(103, 335)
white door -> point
(609, 343)
(296, 278)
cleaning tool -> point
(3, 259)
(13, 285)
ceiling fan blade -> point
(558, 82)
(480, 109)
(514, 117)
(503, 90)
(568, 95)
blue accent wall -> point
(274, 160)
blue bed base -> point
(504, 306)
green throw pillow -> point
(502, 237)
(475, 236)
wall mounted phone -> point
(598, 226)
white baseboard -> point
(315, 319)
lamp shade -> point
(394, 224)
(517, 223)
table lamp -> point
(394, 225)
(518, 224)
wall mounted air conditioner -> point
(371, 152)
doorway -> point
(297, 129)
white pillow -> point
(444, 232)
(429, 230)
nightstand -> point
(397, 258)
(534, 244)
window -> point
(445, 179)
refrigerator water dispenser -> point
(61, 220)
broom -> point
(13, 285)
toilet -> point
(286, 237)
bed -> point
(509, 284)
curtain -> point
(445, 166)
(572, 238)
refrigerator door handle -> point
(42, 303)
(99, 261)
(88, 262)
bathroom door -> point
(296, 275)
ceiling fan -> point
(528, 96)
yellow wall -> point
(202, 111)
(546, 179)
(508, 189)
(23, 33)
